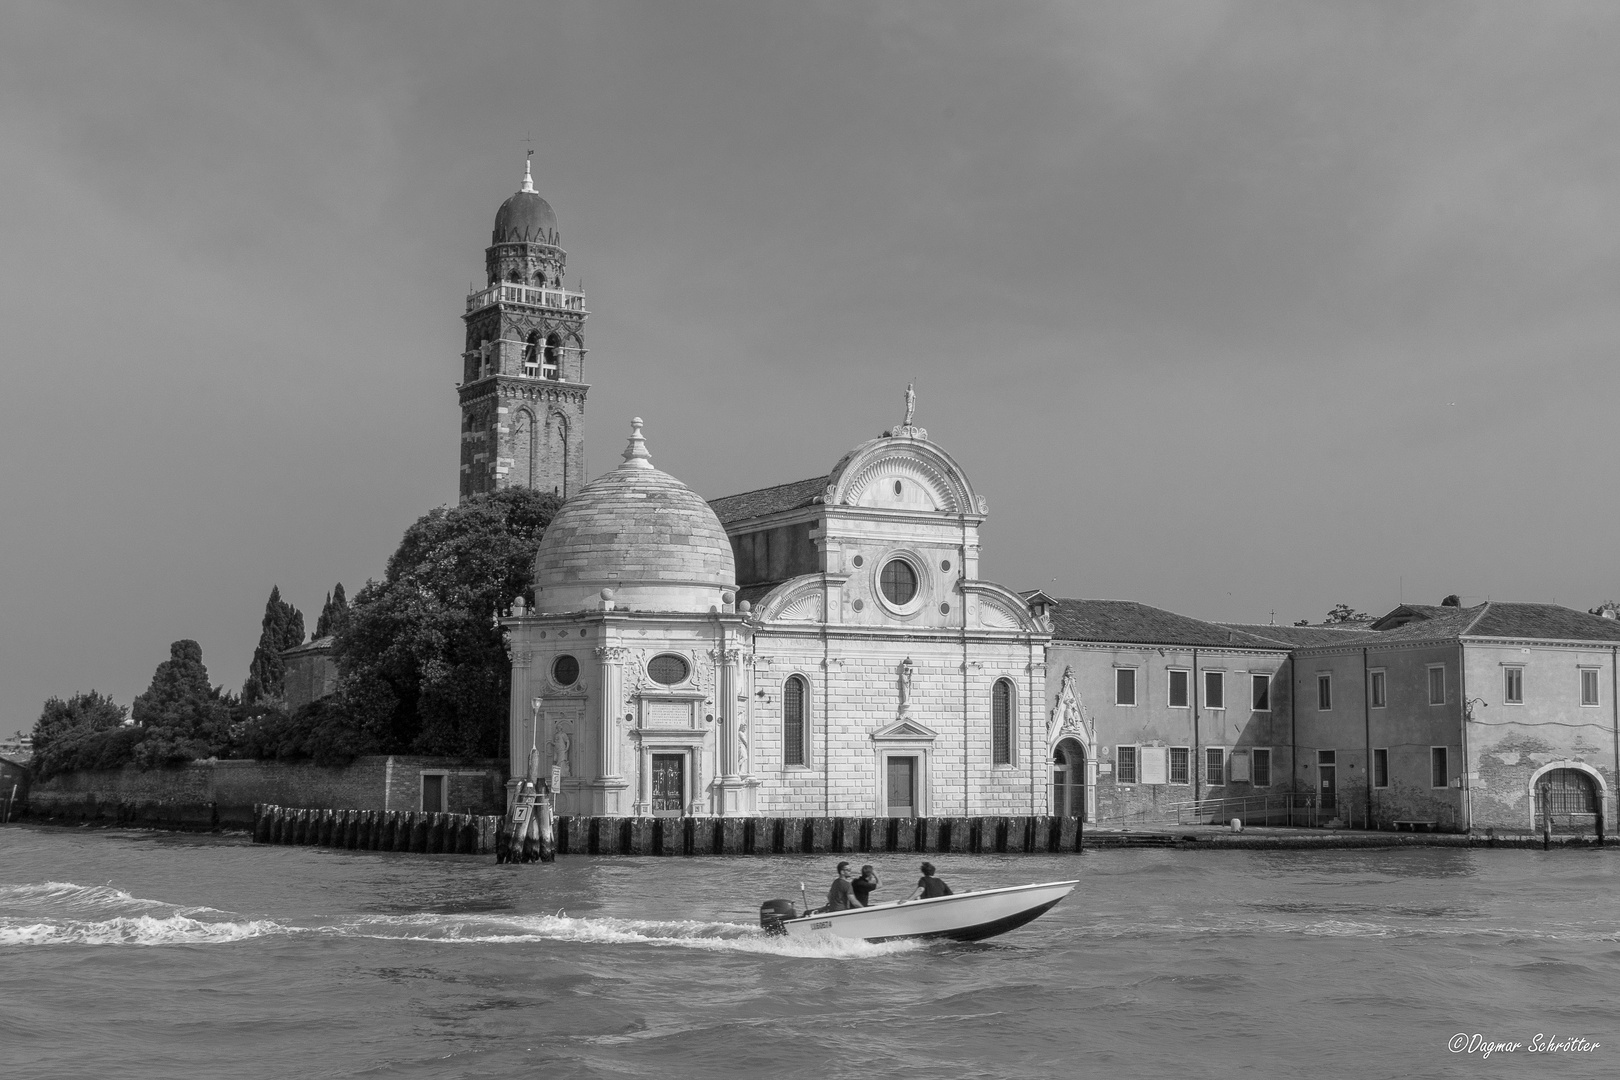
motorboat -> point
(963, 916)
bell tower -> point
(522, 387)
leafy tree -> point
(282, 628)
(1344, 613)
(334, 614)
(84, 732)
(423, 667)
(182, 716)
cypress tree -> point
(282, 628)
(335, 613)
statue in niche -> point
(562, 746)
(906, 669)
(1068, 717)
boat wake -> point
(63, 913)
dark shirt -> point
(932, 887)
(840, 896)
(863, 890)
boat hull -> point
(970, 916)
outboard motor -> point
(772, 912)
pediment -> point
(906, 730)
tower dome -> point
(526, 218)
(639, 532)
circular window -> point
(565, 671)
(667, 669)
(858, 560)
(945, 564)
(898, 487)
(899, 582)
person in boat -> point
(864, 885)
(841, 895)
(929, 886)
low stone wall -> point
(223, 794)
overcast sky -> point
(1228, 308)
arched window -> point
(1570, 791)
(1001, 722)
(553, 352)
(793, 699)
(531, 354)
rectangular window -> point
(1214, 766)
(1376, 696)
(1178, 688)
(1261, 759)
(1125, 772)
(1125, 686)
(1437, 684)
(1513, 685)
(1589, 686)
(1178, 764)
(1324, 691)
(1260, 692)
(1214, 689)
(1437, 766)
(1380, 767)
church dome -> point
(526, 218)
(639, 532)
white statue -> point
(562, 746)
(911, 402)
(906, 668)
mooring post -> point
(1545, 792)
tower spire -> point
(528, 177)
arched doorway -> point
(1570, 799)
(1069, 779)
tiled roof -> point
(1501, 619)
(1128, 622)
(1305, 637)
(756, 592)
(1411, 613)
(320, 644)
(1551, 622)
(771, 500)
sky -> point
(1243, 310)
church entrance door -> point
(1069, 779)
(669, 785)
(902, 793)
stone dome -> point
(526, 218)
(641, 533)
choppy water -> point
(142, 955)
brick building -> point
(1458, 715)
(522, 391)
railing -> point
(533, 295)
(1286, 808)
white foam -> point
(136, 930)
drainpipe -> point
(1366, 719)
(1195, 767)
(826, 703)
(1462, 693)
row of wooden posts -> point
(474, 834)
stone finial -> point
(528, 177)
(635, 455)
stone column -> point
(519, 715)
(612, 682)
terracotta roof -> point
(1501, 619)
(1551, 622)
(771, 500)
(1304, 637)
(1411, 613)
(1128, 622)
(320, 644)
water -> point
(158, 955)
